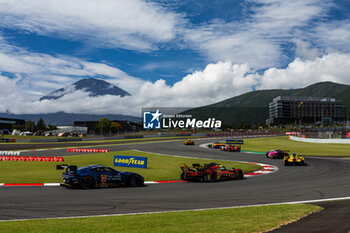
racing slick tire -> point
(183, 176)
(133, 181)
(286, 163)
(240, 174)
(213, 177)
(205, 178)
(87, 182)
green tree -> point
(51, 127)
(40, 125)
(30, 126)
(115, 127)
(103, 126)
(18, 127)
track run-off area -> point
(323, 179)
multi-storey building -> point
(288, 109)
(6, 123)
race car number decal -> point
(104, 179)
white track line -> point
(201, 209)
(58, 184)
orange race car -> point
(210, 172)
(217, 145)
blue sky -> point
(169, 53)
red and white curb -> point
(204, 145)
(267, 169)
(58, 184)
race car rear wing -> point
(196, 166)
(184, 167)
(72, 168)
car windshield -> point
(108, 169)
(82, 168)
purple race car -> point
(276, 154)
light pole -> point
(301, 102)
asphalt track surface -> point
(322, 178)
(24, 146)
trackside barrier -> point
(87, 150)
(319, 140)
(7, 140)
(31, 158)
(10, 152)
(252, 133)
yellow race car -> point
(293, 159)
(189, 142)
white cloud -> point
(304, 50)
(333, 36)
(10, 95)
(216, 82)
(258, 38)
(235, 49)
(130, 24)
(40, 74)
(333, 67)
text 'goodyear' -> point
(130, 161)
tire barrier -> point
(10, 152)
(87, 150)
(31, 158)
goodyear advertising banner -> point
(240, 142)
(130, 161)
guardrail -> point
(318, 140)
(244, 133)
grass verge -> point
(160, 167)
(31, 137)
(247, 219)
(302, 148)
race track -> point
(322, 178)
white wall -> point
(317, 140)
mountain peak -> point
(95, 87)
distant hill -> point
(95, 87)
(65, 119)
(252, 107)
